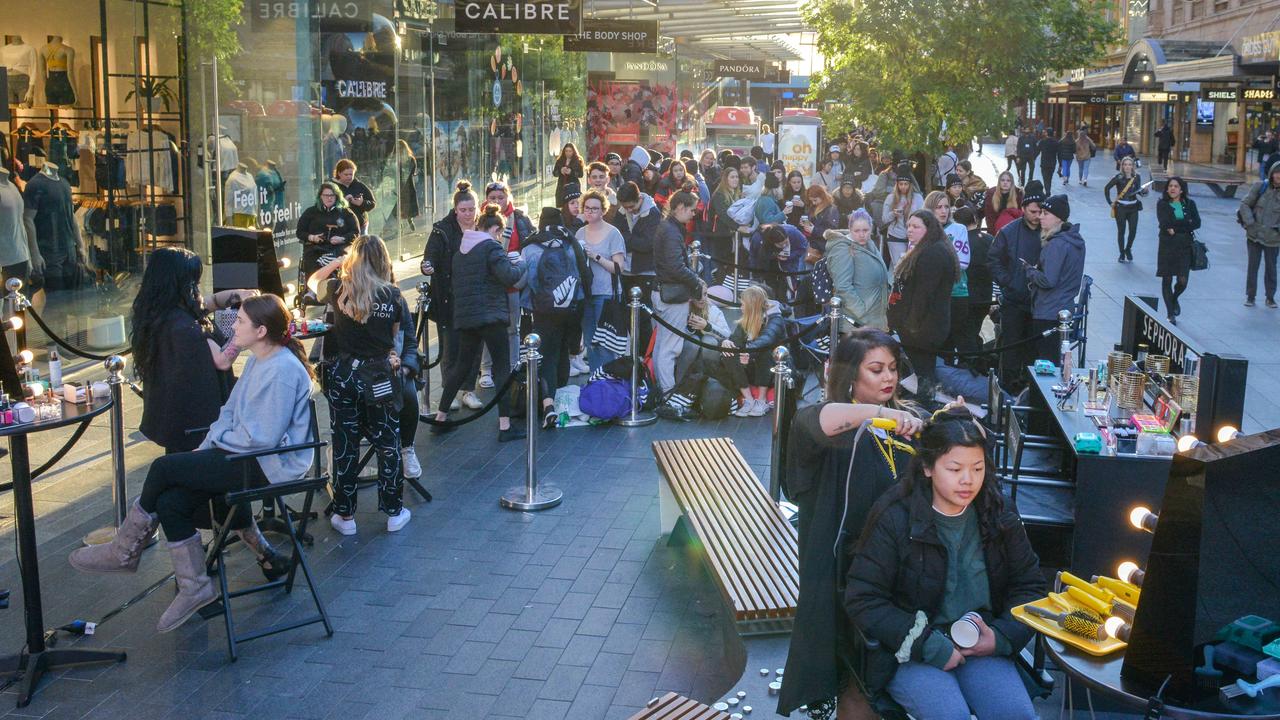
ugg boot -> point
(195, 587)
(123, 552)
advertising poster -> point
(798, 148)
(624, 113)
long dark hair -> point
(851, 351)
(933, 233)
(171, 281)
(950, 428)
(268, 311)
(1182, 184)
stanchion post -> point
(737, 243)
(1064, 349)
(15, 305)
(119, 491)
(531, 496)
(781, 383)
(695, 258)
(835, 316)
(424, 347)
(636, 418)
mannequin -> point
(18, 254)
(240, 198)
(50, 217)
(270, 193)
(21, 60)
(59, 63)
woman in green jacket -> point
(859, 276)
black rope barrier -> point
(699, 343)
(62, 451)
(430, 418)
(421, 332)
(763, 271)
(68, 346)
(1002, 348)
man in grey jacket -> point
(1260, 215)
(1055, 280)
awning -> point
(715, 28)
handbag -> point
(673, 293)
(1199, 255)
(378, 383)
(613, 326)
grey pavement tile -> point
(517, 697)
(582, 650)
(534, 616)
(544, 709)
(492, 629)
(636, 688)
(608, 669)
(591, 703)
(650, 656)
(514, 645)
(469, 658)
(557, 633)
(564, 682)
(574, 605)
(598, 621)
(538, 662)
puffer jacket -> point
(482, 273)
(1014, 241)
(442, 246)
(1260, 214)
(671, 257)
(899, 571)
(1055, 280)
(859, 278)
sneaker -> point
(471, 401)
(578, 366)
(759, 408)
(344, 527)
(1271, 304)
(1249, 302)
(412, 468)
(455, 406)
(399, 520)
(744, 408)
(486, 380)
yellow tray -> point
(1050, 628)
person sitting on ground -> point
(268, 408)
(747, 356)
(939, 546)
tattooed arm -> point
(837, 418)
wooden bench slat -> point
(678, 707)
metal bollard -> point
(424, 351)
(15, 305)
(530, 496)
(781, 383)
(1064, 349)
(695, 258)
(835, 316)
(737, 243)
(119, 491)
(637, 418)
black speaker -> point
(245, 259)
(1213, 559)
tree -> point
(919, 71)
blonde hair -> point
(365, 270)
(755, 301)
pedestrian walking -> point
(1066, 153)
(1265, 145)
(1164, 144)
(1085, 150)
(1055, 279)
(1126, 206)
(1048, 148)
(1122, 151)
(1260, 214)
(1028, 148)
(768, 142)
(1179, 219)
(920, 304)
(1010, 150)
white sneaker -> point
(759, 408)
(578, 366)
(412, 468)
(744, 408)
(345, 527)
(471, 401)
(456, 405)
(395, 522)
(486, 380)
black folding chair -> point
(269, 494)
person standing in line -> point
(858, 273)
(724, 229)
(1055, 280)
(676, 285)
(638, 220)
(598, 179)
(978, 275)
(974, 187)
(822, 216)
(1265, 145)
(516, 233)
(958, 235)
(835, 155)
(1016, 247)
(1179, 219)
(1260, 214)
(920, 304)
(1085, 150)
(898, 206)
(553, 290)
(1010, 150)
(1066, 153)
(568, 168)
(826, 176)
(1164, 144)
(1048, 149)
(614, 162)
(1003, 204)
(857, 167)
(606, 253)
(945, 167)
(1028, 148)
(360, 354)
(1126, 206)
(482, 271)
(357, 195)
(438, 257)
(848, 198)
(768, 142)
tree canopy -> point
(922, 70)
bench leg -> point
(668, 508)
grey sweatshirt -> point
(268, 408)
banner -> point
(629, 36)
(538, 17)
(798, 148)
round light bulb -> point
(1138, 516)
(290, 289)
(27, 357)
(1186, 443)
(1117, 628)
(1126, 570)
(1227, 433)
(285, 263)
(14, 323)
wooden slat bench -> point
(751, 548)
(1221, 187)
(678, 707)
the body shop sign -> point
(542, 17)
(630, 36)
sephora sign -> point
(543, 17)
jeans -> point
(1083, 166)
(180, 485)
(1257, 253)
(557, 330)
(666, 344)
(492, 336)
(988, 687)
(596, 356)
(1065, 169)
(351, 418)
(1126, 216)
(450, 357)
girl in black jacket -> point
(569, 168)
(1179, 219)
(747, 359)
(482, 273)
(935, 548)
(359, 196)
(1127, 205)
(326, 229)
(437, 261)
(920, 303)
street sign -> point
(538, 17)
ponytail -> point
(490, 216)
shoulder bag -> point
(1124, 190)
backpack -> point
(606, 399)
(743, 211)
(714, 402)
(823, 288)
(556, 286)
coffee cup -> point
(965, 632)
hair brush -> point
(1077, 622)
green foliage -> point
(909, 68)
(211, 32)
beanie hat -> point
(903, 172)
(571, 191)
(1058, 206)
(953, 179)
(611, 157)
(1034, 193)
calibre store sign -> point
(541, 17)
(630, 36)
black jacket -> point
(1189, 223)
(1027, 147)
(442, 246)
(184, 390)
(1118, 183)
(334, 222)
(409, 357)
(857, 169)
(480, 282)
(900, 568)
(922, 314)
(1164, 137)
(1066, 148)
(358, 188)
(1048, 147)
(1014, 241)
(639, 239)
(671, 257)
(979, 270)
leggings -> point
(1126, 216)
(989, 687)
(1046, 176)
(409, 414)
(451, 357)
(557, 330)
(1172, 291)
(350, 419)
(179, 487)
(492, 336)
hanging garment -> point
(62, 148)
(240, 195)
(148, 161)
